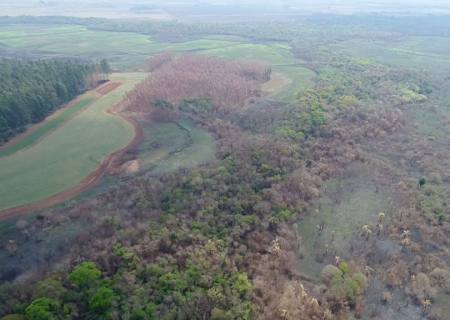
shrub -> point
(242, 284)
(343, 266)
(329, 272)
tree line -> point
(31, 90)
(309, 27)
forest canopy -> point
(31, 90)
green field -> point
(69, 153)
(127, 50)
(274, 54)
(51, 124)
(123, 49)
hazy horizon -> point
(174, 9)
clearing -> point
(170, 146)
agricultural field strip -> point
(70, 153)
(53, 122)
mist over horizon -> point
(176, 9)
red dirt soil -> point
(108, 87)
(111, 165)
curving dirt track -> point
(109, 166)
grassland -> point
(170, 146)
(69, 153)
(348, 203)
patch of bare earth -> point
(131, 167)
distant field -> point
(420, 53)
(124, 49)
(128, 51)
(69, 153)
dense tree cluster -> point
(227, 84)
(31, 90)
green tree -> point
(422, 182)
(85, 275)
(242, 284)
(105, 68)
(102, 300)
(42, 309)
